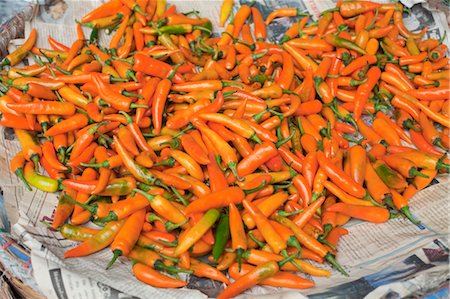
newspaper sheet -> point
(389, 258)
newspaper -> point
(395, 258)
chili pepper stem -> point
(374, 202)
(324, 241)
(438, 143)
(103, 164)
(256, 189)
(171, 270)
(330, 258)
(35, 160)
(171, 226)
(414, 172)
(441, 165)
(292, 241)
(252, 237)
(326, 230)
(232, 166)
(281, 142)
(168, 162)
(91, 209)
(116, 254)
(239, 252)
(406, 211)
(182, 132)
(287, 214)
(290, 259)
(180, 197)
(20, 175)
(255, 138)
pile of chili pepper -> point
(253, 154)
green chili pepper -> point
(221, 237)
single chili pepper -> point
(422, 144)
(44, 107)
(75, 122)
(63, 210)
(238, 237)
(227, 259)
(309, 168)
(337, 41)
(398, 21)
(405, 167)
(77, 233)
(354, 8)
(371, 214)
(323, 24)
(153, 67)
(19, 54)
(425, 160)
(429, 131)
(84, 140)
(358, 63)
(222, 236)
(363, 90)
(30, 71)
(394, 126)
(154, 278)
(430, 94)
(358, 163)
(127, 235)
(225, 11)
(343, 196)
(197, 231)
(107, 9)
(281, 279)
(204, 270)
(204, 203)
(99, 241)
(304, 61)
(284, 12)
(189, 163)
(259, 156)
